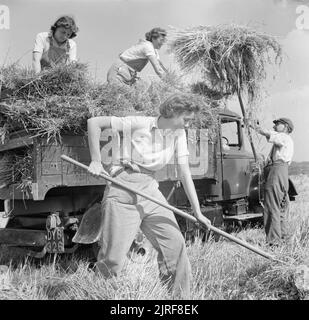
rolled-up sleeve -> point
(73, 51)
(39, 43)
(132, 122)
(277, 138)
(149, 50)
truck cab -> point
(232, 190)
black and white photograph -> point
(153, 153)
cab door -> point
(235, 160)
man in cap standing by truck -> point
(276, 198)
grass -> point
(221, 270)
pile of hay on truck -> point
(61, 100)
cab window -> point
(230, 134)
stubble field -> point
(221, 269)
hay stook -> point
(230, 58)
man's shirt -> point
(283, 147)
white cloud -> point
(293, 72)
(294, 104)
(296, 46)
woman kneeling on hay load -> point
(153, 142)
(134, 59)
(55, 47)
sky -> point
(107, 27)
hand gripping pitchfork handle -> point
(179, 212)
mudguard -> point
(89, 230)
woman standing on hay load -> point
(55, 47)
(153, 142)
(276, 198)
(134, 59)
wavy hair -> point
(66, 22)
(155, 33)
(177, 104)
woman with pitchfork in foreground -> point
(153, 141)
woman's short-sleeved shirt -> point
(146, 145)
(42, 44)
(138, 55)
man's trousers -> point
(276, 201)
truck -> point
(46, 214)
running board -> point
(243, 217)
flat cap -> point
(286, 121)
